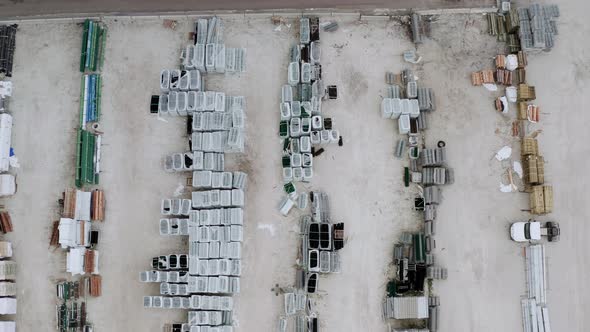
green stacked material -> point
(289, 188)
(90, 99)
(284, 129)
(286, 161)
(419, 242)
(406, 176)
(391, 288)
(85, 163)
(91, 59)
(93, 43)
(70, 317)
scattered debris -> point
(412, 56)
(170, 24)
(490, 86)
(329, 26)
(269, 227)
(504, 153)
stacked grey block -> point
(203, 280)
(303, 125)
(407, 104)
(538, 26)
(209, 52)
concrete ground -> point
(363, 179)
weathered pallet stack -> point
(94, 285)
(541, 195)
(526, 28)
(5, 222)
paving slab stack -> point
(203, 279)
(303, 127)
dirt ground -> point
(363, 179)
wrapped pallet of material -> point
(7, 289)
(7, 306)
(5, 139)
(534, 169)
(548, 198)
(7, 185)
(541, 199)
(293, 73)
(404, 124)
(521, 110)
(7, 326)
(5, 249)
(7, 270)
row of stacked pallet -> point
(8, 286)
(77, 231)
(82, 208)
(204, 279)
(526, 30)
(407, 297)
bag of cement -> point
(511, 62)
